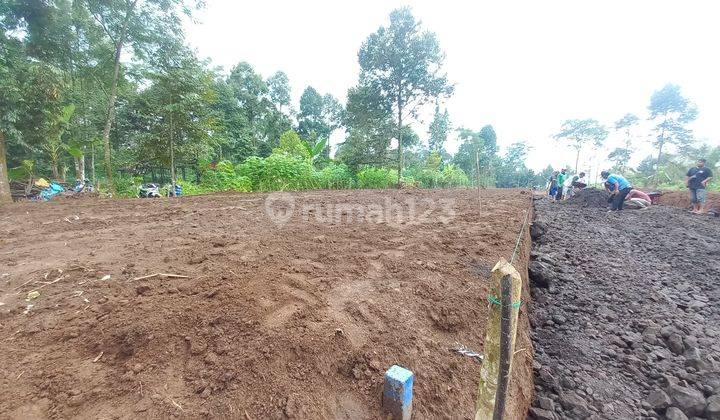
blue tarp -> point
(51, 191)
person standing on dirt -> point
(552, 185)
(561, 177)
(618, 187)
(696, 180)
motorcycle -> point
(149, 191)
(83, 186)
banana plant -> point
(316, 150)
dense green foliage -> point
(223, 177)
(376, 178)
(91, 85)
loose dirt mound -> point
(625, 316)
(298, 318)
(682, 199)
(590, 197)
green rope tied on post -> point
(495, 301)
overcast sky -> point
(522, 66)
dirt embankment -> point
(278, 317)
(682, 199)
(625, 316)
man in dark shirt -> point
(696, 180)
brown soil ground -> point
(682, 199)
(274, 321)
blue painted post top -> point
(397, 393)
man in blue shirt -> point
(618, 187)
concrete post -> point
(397, 393)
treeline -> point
(665, 128)
(109, 91)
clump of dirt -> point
(590, 197)
(624, 316)
(293, 313)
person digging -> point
(576, 183)
(638, 199)
(618, 187)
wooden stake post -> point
(490, 371)
(477, 171)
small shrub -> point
(278, 172)
(224, 178)
(410, 182)
(253, 168)
(452, 176)
(376, 178)
(189, 188)
(335, 176)
(291, 144)
(424, 177)
(127, 186)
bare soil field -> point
(293, 306)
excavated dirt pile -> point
(682, 199)
(590, 197)
(625, 316)
(289, 305)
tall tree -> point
(53, 144)
(477, 154)
(626, 124)
(580, 133)
(513, 171)
(34, 37)
(174, 113)
(671, 112)
(318, 117)
(250, 91)
(438, 129)
(11, 65)
(403, 62)
(145, 25)
(310, 116)
(279, 90)
(369, 124)
(233, 132)
(621, 155)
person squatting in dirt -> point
(574, 184)
(638, 199)
(696, 180)
(618, 187)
